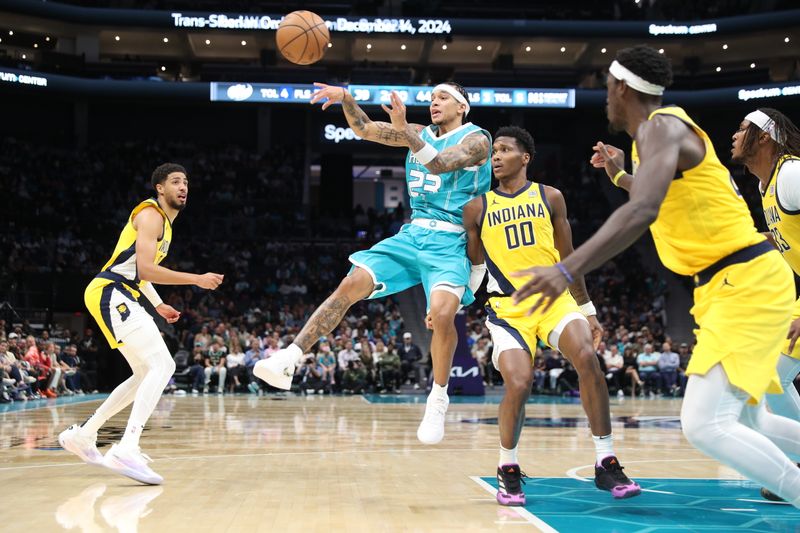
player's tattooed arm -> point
(380, 132)
(474, 150)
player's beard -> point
(176, 204)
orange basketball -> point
(302, 37)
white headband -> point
(449, 89)
(766, 124)
(635, 82)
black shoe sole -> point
(771, 496)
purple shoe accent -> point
(512, 500)
(626, 491)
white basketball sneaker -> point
(278, 370)
(131, 462)
(84, 447)
(431, 429)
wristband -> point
(426, 154)
(588, 309)
(565, 272)
(150, 293)
(617, 176)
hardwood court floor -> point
(247, 463)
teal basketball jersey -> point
(442, 197)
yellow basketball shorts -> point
(743, 316)
(115, 308)
(512, 329)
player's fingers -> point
(793, 335)
(604, 150)
(321, 85)
(326, 104)
(537, 305)
(387, 109)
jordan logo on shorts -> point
(123, 311)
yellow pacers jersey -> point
(784, 225)
(119, 276)
(703, 217)
(123, 260)
(517, 233)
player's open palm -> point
(397, 113)
(611, 158)
(331, 94)
(209, 280)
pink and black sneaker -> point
(509, 482)
(608, 475)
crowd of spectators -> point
(240, 225)
(367, 352)
(45, 366)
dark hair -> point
(646, 63)
(458, 88)
(162, 171)
(523, 138)
(785, 130)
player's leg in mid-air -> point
(386, 268)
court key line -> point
(524, 513)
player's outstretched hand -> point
(429, 321)
(209, 280)
(397, 112)
(611, 158)
(547, 281)
(332, 94)
(168, 312)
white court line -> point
(54, 465)
(738, 510)
(524, 513)
(274, 454)
(770, 502)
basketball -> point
(302, 37)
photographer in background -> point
(311, 375)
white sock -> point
(119, 399)
(438, 390)
(508, 457)
(603, 446)
(296, 352)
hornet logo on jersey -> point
(123, 311)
